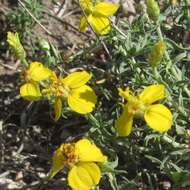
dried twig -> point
(64, 22)
(62, 7)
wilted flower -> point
(35, 73)
(80, 97)
(157, 116)
(81, 158)
(97, 15)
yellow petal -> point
(83, 24)
(38, 72)
(84, 176)
(82, 100)
(105, 8)
(100, 24)
(89, 152)
(127, 94)
(86, 5)
(30, 91)
(124, 123)
(158, 117)
(93, 171)
(58, 161)
(152, 94)
(57, 108)
(53, 76)
(75, 181)
(77, 79)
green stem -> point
(156, 74)
(171, 141)
(24, 62)
(93, 120)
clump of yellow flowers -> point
(42, 82)
(79, 96)
(96, 14)
(81, 158)
(157, 116)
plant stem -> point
(171, 141)
(171, 66)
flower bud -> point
(153, 9)
(14, 43)
(157, 53)
(44, 45)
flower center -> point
(136, 107)
(60, 89)
(25, 76)
(69, 154)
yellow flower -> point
(81, 158)
(16, 46)
(80, 97)
(157, 116)
(35, 73)
(97, 15)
